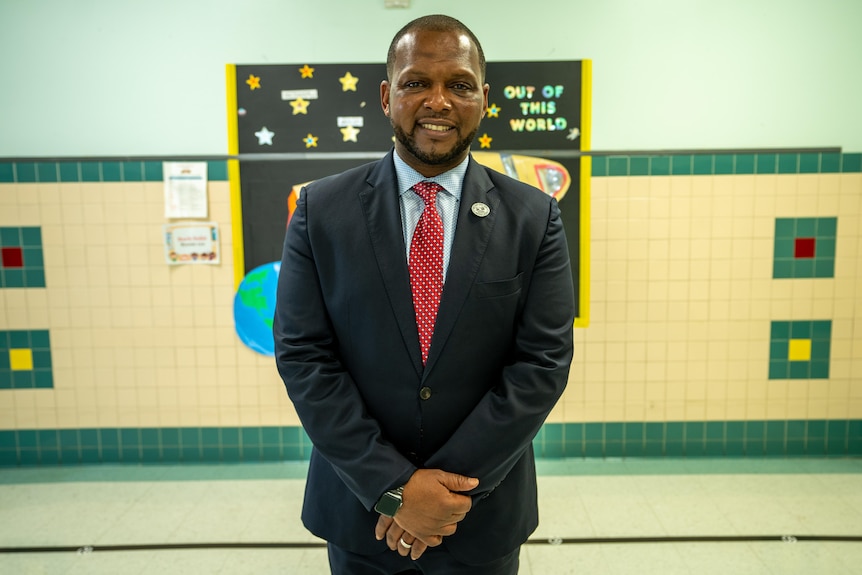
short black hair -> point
(433, 23)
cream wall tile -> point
(8, 202)
(808, 203)
(21, 215)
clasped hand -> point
(432, 506)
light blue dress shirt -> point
(447, 202)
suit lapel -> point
(472, 234)
(380, 204)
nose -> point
(438, 98)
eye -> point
(412, 84)
(461, 87)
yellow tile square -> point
(21, 359)
(799, 350)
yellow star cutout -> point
(348, 82)
(350, 133)
(253, 81)
(485, 141)
(300, 106)
(493, 111)
(306, 72)
(310, 141)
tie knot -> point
(427, 191)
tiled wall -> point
(690, 308)
(699, 343)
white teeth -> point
(436, 128)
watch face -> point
(388, 504)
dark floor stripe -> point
(553, 541)
(695, 539)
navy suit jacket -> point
(347, 348)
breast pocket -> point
(498, 288)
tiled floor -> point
(593, 514)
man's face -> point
(435, 99)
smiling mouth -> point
(436, 128)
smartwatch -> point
(390, 502)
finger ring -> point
(406, 545)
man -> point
(422, 361)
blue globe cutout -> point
(254, 308)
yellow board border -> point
(233, 178)
(583, 319)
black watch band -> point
(390, 502)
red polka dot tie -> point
(426, 264)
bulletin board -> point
(290, 124)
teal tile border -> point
(726, 164)
(153, 445)
(797, 438)
(622, 165)
(109, 171)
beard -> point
(431, 158)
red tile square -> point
(804, 248)
(12, 258)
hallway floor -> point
(634, 516)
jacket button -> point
(425, 393)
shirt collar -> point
(452, 180)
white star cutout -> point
(264, 136)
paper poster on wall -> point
(192, 243)
(185, 189)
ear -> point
(384, 97)
(485, 91)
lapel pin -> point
(480, 209)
